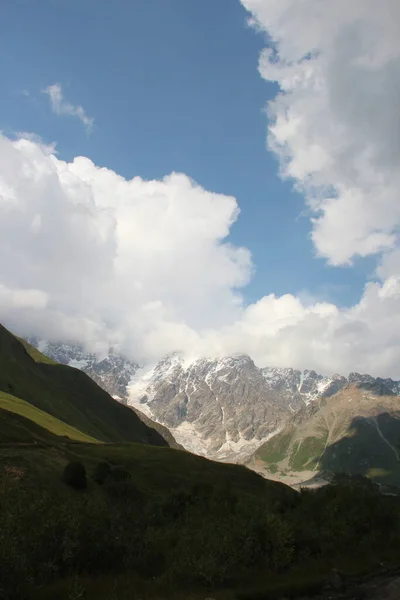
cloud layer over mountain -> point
(88, 255)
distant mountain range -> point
(271, 418)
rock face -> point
(226, 408)
(111, 372)
(221, 408)
(306, 386)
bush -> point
(101, 473)
(74, 475)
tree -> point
(74, 475)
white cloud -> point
(22, 299)
(335, 125)
(142, 263)
(86, 255)
(60, 106)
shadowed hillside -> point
(356, 431)
(370, 448)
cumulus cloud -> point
(143, 264)
(60, 106)
(335, 123)
(88, 256)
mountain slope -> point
(226, 408)
(68, 395)
(21, 422)
(112, 372)
(220, 408)
(355, 431)
(162, 430)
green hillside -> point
(354, 432)
(19, 418)
(68, 395)
(35, 353)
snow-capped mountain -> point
(223, 408)
(309, 385)
(302, 385)
(112, 372)
(226, 408)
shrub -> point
(101, 473)
(74, 475)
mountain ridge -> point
(111, 371)
(67, 395)
(166, 392)
(231, 410)
(355, 431)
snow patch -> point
(41, 346)
(242, 448)
(186, 435)
(78, 363)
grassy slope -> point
(154, 470)
(35, 353)
(352, 432)
(68, 395)
(157, 473)
(15, 429)
(161, 429)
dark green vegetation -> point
(108, 519)
(160, 519)
(275, 450)
(74, 475)
(67, 395)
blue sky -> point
(173, 86)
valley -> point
(295, 427)
(143, 510)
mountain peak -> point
(223, 407)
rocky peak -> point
(379, 386)
(303, 386)
(214, 406)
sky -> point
(207, 177)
